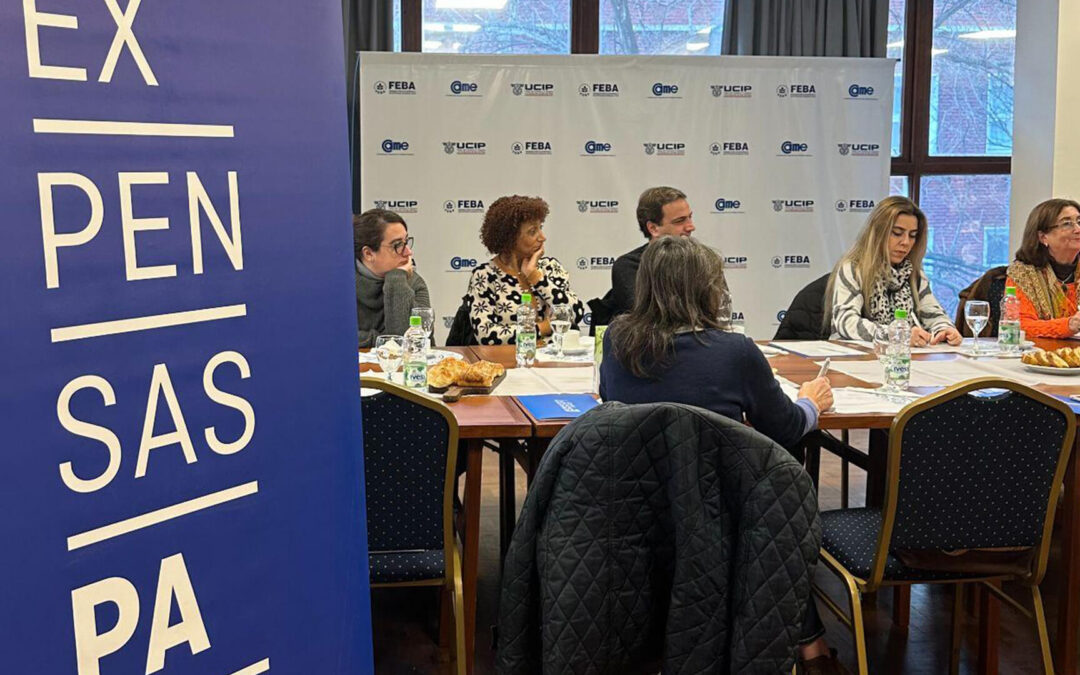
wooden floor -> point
(406, 620)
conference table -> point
(505, 422)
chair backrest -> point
(461, 333)
(976, 471)
(601, 311)
(804, 319)
(990, 287)
(410, 452)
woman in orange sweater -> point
(1046, 269)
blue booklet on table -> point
(558, 406)
(1073, 403)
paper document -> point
(816, 348)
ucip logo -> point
(465, 147)
(598, 205)
(532, 88)
(459, 88)
(736, 262)
(793, 205)
(665, 148)
(393, 147)
(859, 149)
(732, 90)
(727, 206)
(594, 148)
(458, 264)
(602, 89)
(398, 205)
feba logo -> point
(793, 205)
(736, 262)
(797, 90)
(861, 91)
(724, 206)
(794, 149)
(859, 149)
(531, 148)
(398, 205)
(732, 90)
(592, 206)
(465, 147)
(398, 87)
(532, 88)
(728, 148)
(598, 149)
(459, 264)
(391, 146)
(600, 89)
(662, 149)
(460, 88)
(664, 90)
(601, 262)
(791, 261)
(463, 206)
(855, 205)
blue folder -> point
(558, 406)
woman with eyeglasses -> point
(1045, 270)
(387, 285)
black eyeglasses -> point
(400, 244)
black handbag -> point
(461, 330)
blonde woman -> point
(882, 273)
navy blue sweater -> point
(720, 371)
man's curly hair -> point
(504, 219)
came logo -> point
(608, 89)
(465, 147)
(459, 88)
(727, 206)
(532, 88)
(458, 264)
(794, 148)
(855, 205)
(602, 262)
(793, 205)
(732, 90)
(392, 147)
(463, 206)
(661, 90)
(598, 148)
(859, 149)
(790, 261)
(735, 262)
(531, 148)
(598, 205)
(780, 315)
(796, 90)
(398, 205)
(665, 148)
(399, 87)
(861, 91)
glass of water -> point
(390, 352)
(976, 314)
(561, 318)
(427, 318)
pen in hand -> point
(824, 368)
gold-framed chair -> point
(972, 483)
(410, 458)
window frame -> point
(584, 26)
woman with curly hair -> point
(513, 231)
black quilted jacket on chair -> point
(659, 533)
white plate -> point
(436, 355)
(1050, 370)
(585, 346)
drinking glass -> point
(390, 351)
(427, 318)
(561, 318)
(976, 314)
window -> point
(496, 26)
(661, 26)
(894, 49)
(956, 138)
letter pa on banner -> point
(782, 159)
(182, 483)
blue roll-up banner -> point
(180, 485)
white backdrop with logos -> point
(781, 159)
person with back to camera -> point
(513, 231)
(387, 284)
(882, 273)
(673, 346)
(1046, 268)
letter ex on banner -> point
(182, 485)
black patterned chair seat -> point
(851, 535)
(389, 567)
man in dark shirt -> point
(660, 211)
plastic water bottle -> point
(416, 351)
(525, 337)
(898, 363)
(1009, 326)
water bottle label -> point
(526, 348)
(416, 375)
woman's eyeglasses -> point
(1068, 224)
(400, 244)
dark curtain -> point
(369, 27)
(806, 27)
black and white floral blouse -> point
(494, 297)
